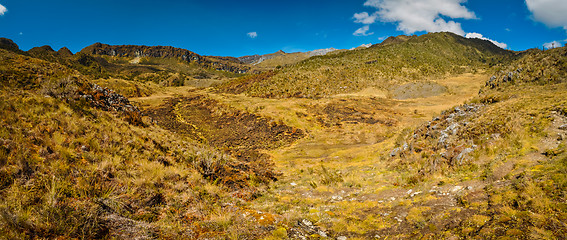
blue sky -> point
(237, 28)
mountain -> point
(256, 59)
(321, 52)
(363, 46)
(46, 53)
(132, 51)
(65, 52)
(396, 61)
(163, 66)
(395, 40)
(8, 44)
(280, 58)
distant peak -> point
(8, 44)
(41, 50)
(64, 51)
(397, 39)
(321, 52)
(46, 48)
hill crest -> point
(397, 61)
(227, 64)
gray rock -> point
(464, 153)
(394, 152)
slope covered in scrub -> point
(78, 161)
(382, 66)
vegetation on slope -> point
(227, 64)
(76, 163)
(137, 73)
(512, 139)
(241, 134)
(428, 56)
(71, 167)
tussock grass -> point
(73, 171)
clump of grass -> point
(330, 176)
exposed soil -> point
(239, 133)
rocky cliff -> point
(321, 52)
(217, 63)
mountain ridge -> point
(217, 63)
(257, 59)
(398, 60)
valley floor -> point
(340, 180)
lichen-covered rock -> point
(441, 139)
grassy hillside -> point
(493, 167)
(420, 58)
(74, 165)
(277, 60)
(137, 76)
(280, 60)
(511, 141)
(447, 153)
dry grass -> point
(384, 67)
(76, 172)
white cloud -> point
(363, 31)
(478, 35)
(419, 15)
(364, 18)
(252, 34)
(552, 13)
(550, 45)
(2, 10)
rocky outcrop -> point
(78, 88)
(250, 59)
(107, 100)
(228, 59)
(217, 63)
(321, 52)
(443, 137)
(502, 77)
(255, 59)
